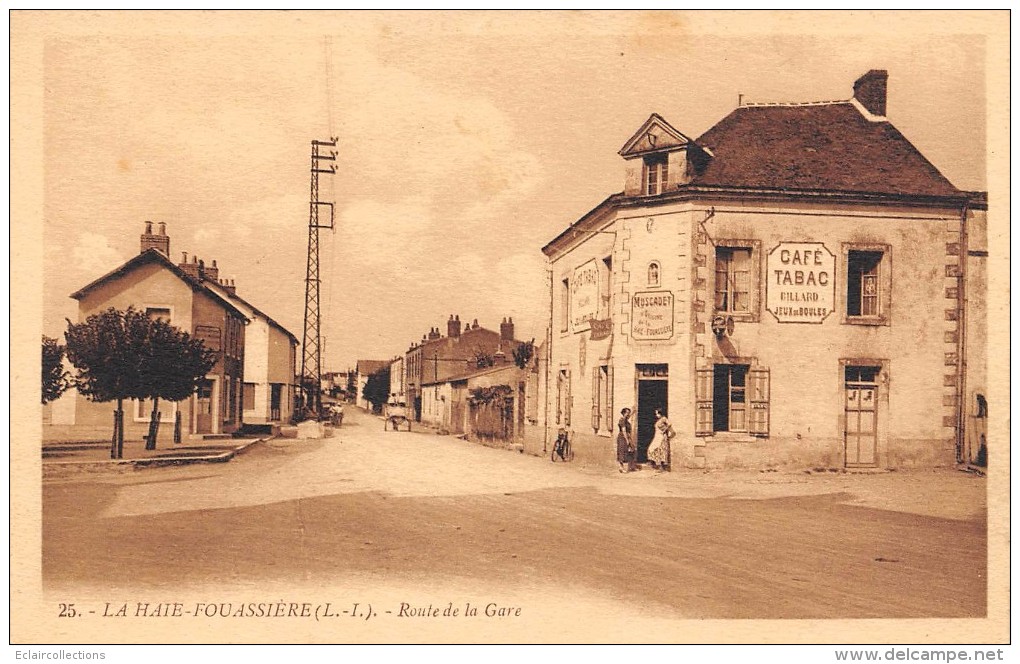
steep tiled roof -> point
(816, 147)
(155, 256)
(368, 367)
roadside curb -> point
(221, 457)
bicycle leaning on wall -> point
(562, 449)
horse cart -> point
(396, 417)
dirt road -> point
(423, 516)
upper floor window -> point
(733, 279)
(605, 286)
(862, 284)
(158, 313)
(656, 174)
(653, 274)
(868, 284)
(564, 305)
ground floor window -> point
(249, 396)
(143, 410)
(729, 397)
(275, 399)
(563, 398)
(602, 398)
(734, 398)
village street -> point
(366, 516)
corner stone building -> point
(791, 288)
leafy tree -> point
(523, 353)
(126, 355)
(377, 388)
(55, 380)
(483, 358)
(174, 366)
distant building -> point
(182, 295)
(437, 357)
(397, 378)
(334, 383)
(798, 286)
(486, 404)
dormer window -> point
(656, 173)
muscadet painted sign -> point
(801, 284)
(584, 295)
(651, 316)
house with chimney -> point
(798, 286)
(436, 358)
(184, 295)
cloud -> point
(94, 256)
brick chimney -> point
(434, 333)
(453, 327)
(506, 329)
(475, 325)
(228, 286)
(191, 269)
(870, 91)
(211, 273)
(160, 240)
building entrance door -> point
(204, 410)
(860, 434)
(653, 392)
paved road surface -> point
(414, 515)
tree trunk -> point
(150, 441)
(113, 440)
(119, 430)
(177, 427)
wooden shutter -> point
(703, 420)
(569, 402)
(559, 397)
(758, 398)
(595, 415)
(610, 413)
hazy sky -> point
(467, 141)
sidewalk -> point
(96, 455)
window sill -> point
(733, 437)
(739, 318)
(865, 320)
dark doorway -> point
(652, 394)
(204, 407)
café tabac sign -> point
(584, 295)
(801, 283)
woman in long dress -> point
(625, 450)
(658, 449)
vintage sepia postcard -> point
(510, 327)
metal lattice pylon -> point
(311, 356)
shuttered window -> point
(732, 397)
(564, 401)
(602, 398)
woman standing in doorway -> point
(626, 452)
(658, 450)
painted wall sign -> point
(209, 335)
(600, 329)
(584, 295)
(801, 282)
(651, 316)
